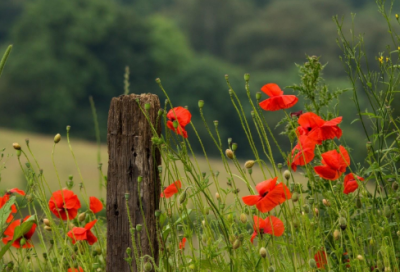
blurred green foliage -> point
(66, 50)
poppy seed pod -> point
(148, 267)
(216, 123)
(229, 153)
(175, 124)
(280, 165)
(243, 218)
(326, 202)
(201, 103)
(247, 77)
(22, 242)
(295, 197)
(234, 146)
(263, 252)
(57, 138)
(258, 96)
(82, 217)
(158, 81)
(312, 263)
(336, 234)
(16, 146)
(139, 227)
(286, 174)
(343, 223)
(249, 164)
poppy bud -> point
(358, 203)
(182, 197)
(157, 213)
(139, 179)
(160, 112)
(82, 217)
(295, 197)
(68, 128)
(316, 211)
(46, 222)
(258, 96)
(306, 208)
(126, 196)
(280, 165)
(236, 244)
(16, 146)
(243, 218)
(22, 242)
(326, 202)
(343, 223)
(271, 269)
(175, 124)
(18, 153)
(139, 227)
(216, 123)
(398, 233)
(360, 257)
(286, 174)
(207, 210)
(395, 186)
(201, 103)
(158, 80)
(229, 154)
(386, 211)
(148, 267)
(312, 263)
(229, 141)
(336, 234)
(147, 106)
(247, 77)
(226, 76)
(29, 198)
(47, 228)
(234, 146)
(249, 164)
(57, 138)
(70, 184)
(263, 252)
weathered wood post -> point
(130, 156)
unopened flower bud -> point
(22, 242)
(312, 263)
(236, 244)
(158, 80)
(46, 222)
(201, 103)
(258, 96)
(16, 146)
(306, 208)
(226, 76)
(148, 267)
(234, 146)
(243, 218)
(182, 197)
(216, 123)
(247, 77)
(147, 106)
(263, 252)
(175, 124)
(217, 196)
(316, 211)
(395, 186)
(139, 227)
(295, 197)
(48, 228)
(286, 174)
(310, 200)
(360, 257)
(82, 217)
(343, 223)
(160, 112)
(139, 179)
(249, 164)
(57, 138)
(229, 154)
(326, 202)
(336, 234)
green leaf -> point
(4, 59)
(5, 212)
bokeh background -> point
(67, 50)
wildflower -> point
(83, 234)
(296, 113)
(64, 202)
(270, 195)
(350, 183)
(318, 129)
(182, 116)
(182, 243)
(334, 164)
(229, 154)
(6, 197)
(95, 204)
(271, 225)
(320, 259)
(387, 59)
(171, 189)
(24, 240)
(277, 100)
(380, 59)
(303, 152)
(80, 269)
(16, 190)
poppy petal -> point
(259, 223)
(266, 186)
(271, 89)
(288, 101)
(274, 226)
(326, 172)
(251, 199)
(17, 191)
(253, 236)
(271, 200)
(180, 114)
(91, 238)
(320, 259)
(90, 225)
(310, 120)
(95, 204)
(171, 189)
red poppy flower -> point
(270, 195)
(334, 164)
(182, 243)
(83, 234)
(6, 197)
(271, 225)
(95, 204)
(9, 233)
(171, 189)
(320, 259)
(350, 183)
(64, 202)
(17, 191)
(183, 117)
(303, 152)
(277, 100)
(75, 269)
(318, 129)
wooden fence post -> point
(131, 155)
